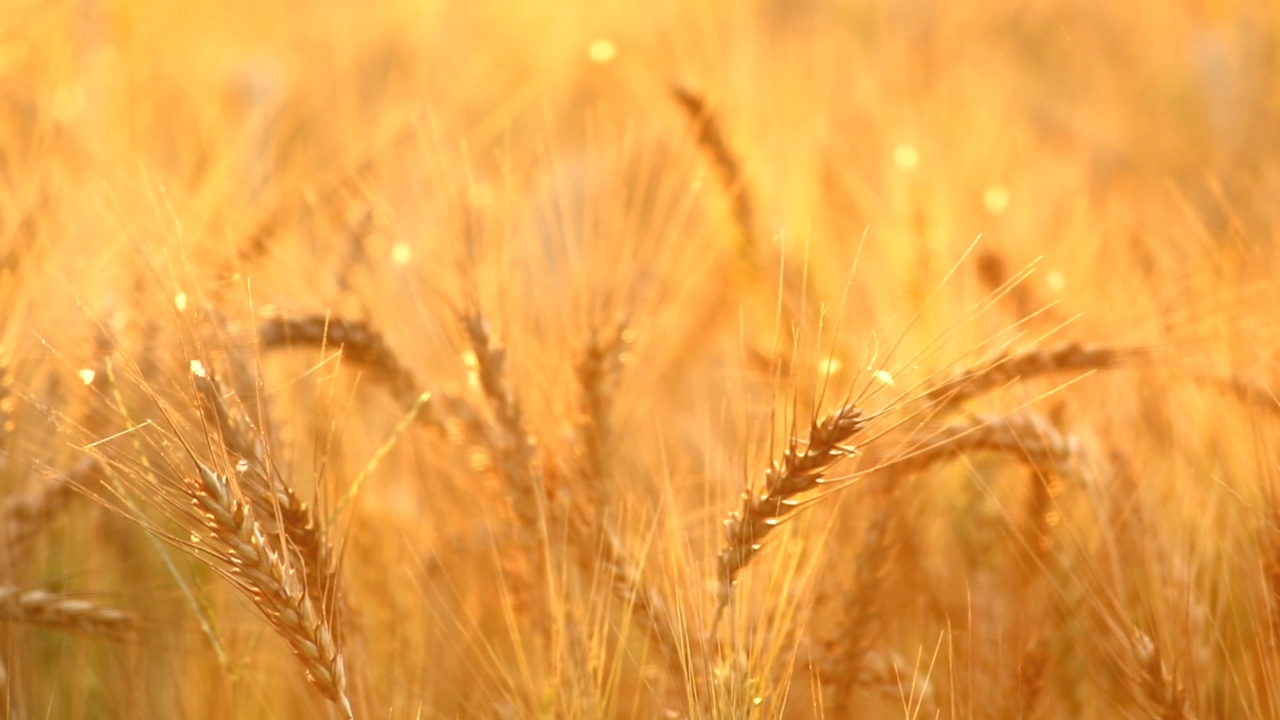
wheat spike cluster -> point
(729, 360)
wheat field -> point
(769, 359)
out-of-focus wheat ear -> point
(363, 344)
(257, 566)
(594, 540)
(598, 372)
(715, 146)
(359, 342)
(800, 470)
(280, 511)
(1154, 682)
(64, 612)
(516, 449)
(1008, 368)
(1026, 435)
(23, 517)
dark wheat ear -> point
(516, 447)
(800, 470)
(715, 146)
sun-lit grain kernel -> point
(757, 701)
(87, 375)
(197, 369)
(401, 253)
(996, 199)
(473, 368)
(601, 51)
(884, 377)
(180, 301)
(906, 157)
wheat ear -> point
(1155, 682)
(1027, 435)
(361, 343)
(25, 516)
(67, 612)
(516, 449)
(1007, 368)
(799, 471)
(275, 504)
(259, 569)
(715, 146)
